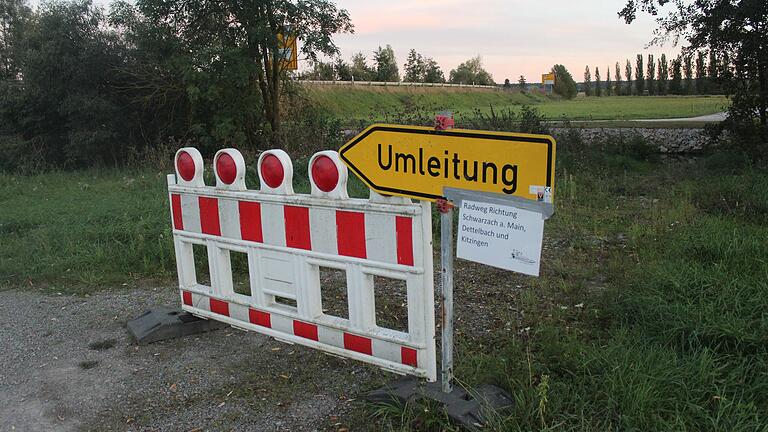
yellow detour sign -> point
(419, 162)
(548, 78)
(289, 57)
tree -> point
(15, 21)
(608, 85)
(639, 74)
(619, 88)
(343, 70)
(415, 68)
(188, 89)
(471, 72)
(15, 17)
(246, 35)
(65, 109)
(701, 73)
(321, 71)
(386, 64)
(713, 72)
(725, 73)
(739, 28)
(688, 73)
(663, 75)
(432, 71)
(587, 81)
(522, 84)
(650, 80)
(422, 69)
(676, 83)
(598, 84)
(628, 76)
(507, 84)
(565, 86)
(360, 69)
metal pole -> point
(446, 287)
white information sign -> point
(500, 236)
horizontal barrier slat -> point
(307, 336)
(325, 321)
(243, 245)
(300, 200)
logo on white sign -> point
(500, 236)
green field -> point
(379, 103)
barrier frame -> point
(411, 352)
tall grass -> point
(651, 314)
(84, 229)
(679, 340)
(80, 231)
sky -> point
(513, 37)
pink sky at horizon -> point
(511, 36)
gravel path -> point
(715, 118)
(67, 364)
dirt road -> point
(67, 364)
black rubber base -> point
(472, 409)
(163, 322)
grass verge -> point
(650, 313)
(83, 231)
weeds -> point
(420, 416)
(542, 391)
(664, 268)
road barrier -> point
(289, 238)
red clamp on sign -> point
(444, 121)
(444, 206)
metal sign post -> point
(446, 293)
(442, 122)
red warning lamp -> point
(185, 165)
(272, 171)
(226, 168)
(325, 174)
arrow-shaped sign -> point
(419, 162)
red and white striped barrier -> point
(288, 238)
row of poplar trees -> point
(685, 75)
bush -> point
(532, 121)
(309, 129)
(528, 120)
(739, 135)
